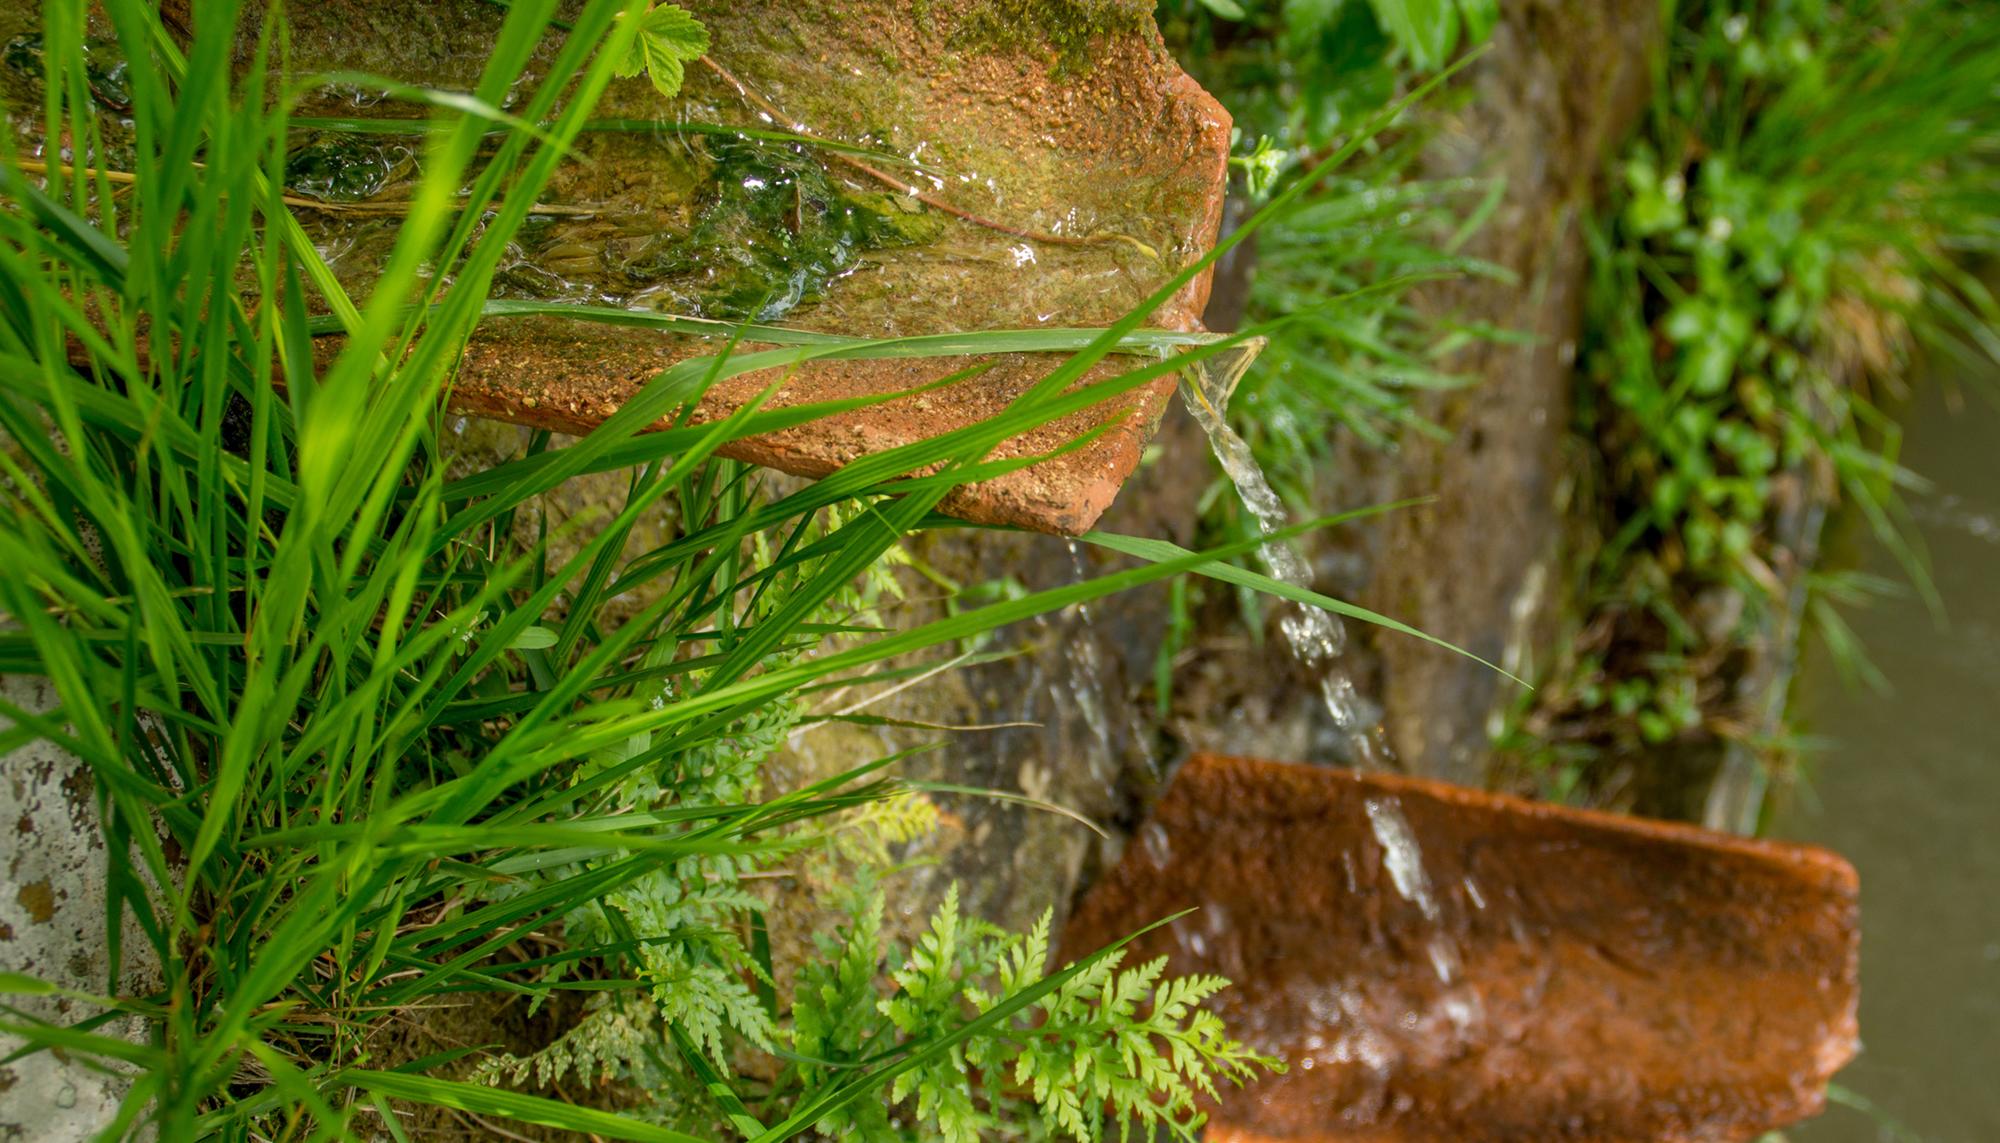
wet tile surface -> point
(1441, 964)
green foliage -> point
(1789, 219)
(1302, 72)
(1301, 77)
(668, 40)
(1126, 1044)
(1427, 30)
(687, 921)
(359, 749)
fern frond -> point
(1110, 1044)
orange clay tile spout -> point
(1057, 163)
(1440, 965)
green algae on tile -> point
(1070, 29)
(994, 190)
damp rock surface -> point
(52, 929)
(1097, 143)
(869, 168)
(1438, 964)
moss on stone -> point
(772, 229)
(1069, 29)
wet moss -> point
(768, 229)
(338, 167)
(105, 70)
(778, 229)
(1068, 29)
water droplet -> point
(1400, 854)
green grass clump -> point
(1794, 217)
(359, 753)
(1302, 79)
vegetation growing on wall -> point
(361, 751)
(1790, 226)
(359, 754)
(1300, 77)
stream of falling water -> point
(1316, 638)
(1373, 1032)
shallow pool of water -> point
(1908, 787)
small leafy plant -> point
(669, 39)
(1129, 1044)
(1302, 79)
(1774, 244)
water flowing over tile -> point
(1441, 965)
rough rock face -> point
(1479, 566)
(52, 928)
(1077, 170)
(1437, 964)
(1552, 99)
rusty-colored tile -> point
(1103, 147)
(1440, 964)
(568, 376)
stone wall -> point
(52, 928)
(1482, 566)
